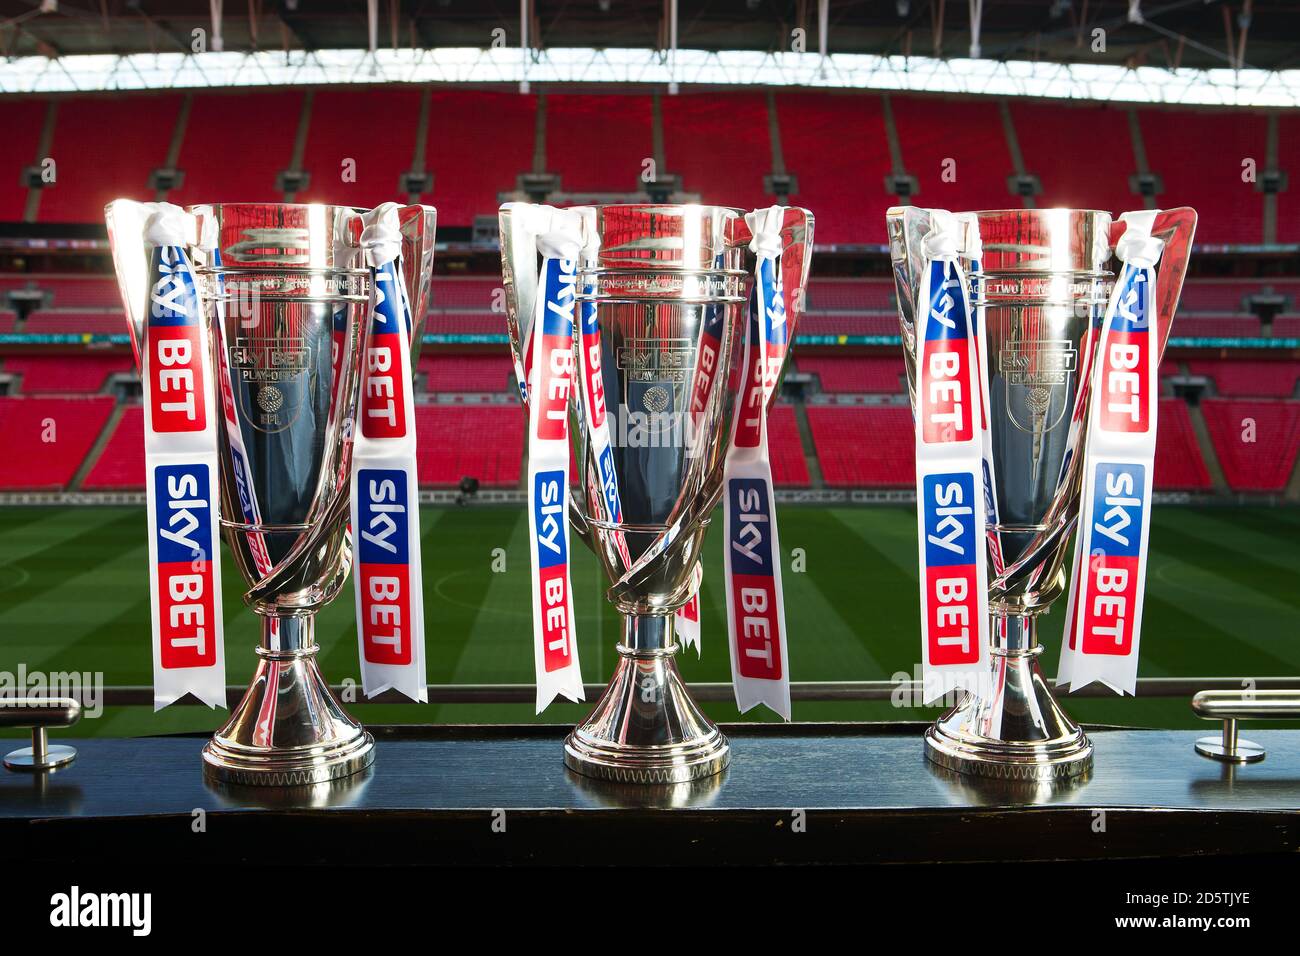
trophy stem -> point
(646, 728)
(1014, 729)
(290, 729)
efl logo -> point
(952, 601)
(1112, 565)
(753, 579)
(1124, 398)
(383, 404)
(384, 565)
(945, 391)
(175, 359)
(553, 566)
(556, 373)
(185, 579)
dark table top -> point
(836, 793)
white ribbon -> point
(756, 630)
(384, 487)
(1104, 614)
(950, 473)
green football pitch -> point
(1222, 599)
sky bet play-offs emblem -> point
(175, 363)
(1123, 399)
(185, 546)
(1115, 549)
(385, 565)
(950, 568)
(552, 565)
(945, 380)
(753, 577)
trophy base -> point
(646, 728)
(1019, 732)
(288, 731)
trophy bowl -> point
(663, 301)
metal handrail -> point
(825, 691)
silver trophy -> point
(285, 294)
(1037, 287)
(668, 286)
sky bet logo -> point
(753, 579)
(385, 566)
(595, 380)
(556, 373)
(945, 379)
(950, 568)
(1124, 405)
(1113, 562)
(185, 548)
(175, 360)
(553, 566)
(383, 406)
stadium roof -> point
(1202, 34)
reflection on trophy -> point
(1039, 288)
(656, 341)
(282, 293)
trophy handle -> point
(1176, 227)
(419, 226)
(520, 224)
(796, 263)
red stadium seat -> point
(467, 373)
(478, 441)
(855, 374)
(375, 127)
(851, 295)
(789, 466)
(1255, 441)
(932, 130)
(105, 147)
(479, 142)
(841, 323)
(22, 119)
(1094, 174)
(76, 323)
(47, 439)
(65, 373)
(1288, 200)
(1248, 378)
(465, 323)
(864, 446)
(844, 186)
(1179, 146)
(121, 463)
(235, 146)
(700, 128)
(1179, 465)
(611, 164)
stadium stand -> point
(844, 186)
(844, 324)
(1245, 378)
(464, 294)
(7, 320)
(63, 373)
(72, 291)
(375, 128)
(789, 467)
(106, 147)
(626, 140)
(864, 446)
(699, 127)
(75, 323)
(1264, 463)
(932, 130)
(121, 464)
(479, 441)
(1288, 200)
(1179, 465)
(1193, 173)
(47, 439)
(849, 374)
(235, 146)
(1085, 177)
(22, 119)
(478, 144)
(467, 373)
(1287, 326)
(465, 323)
(851, 295)
(1216, 326)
